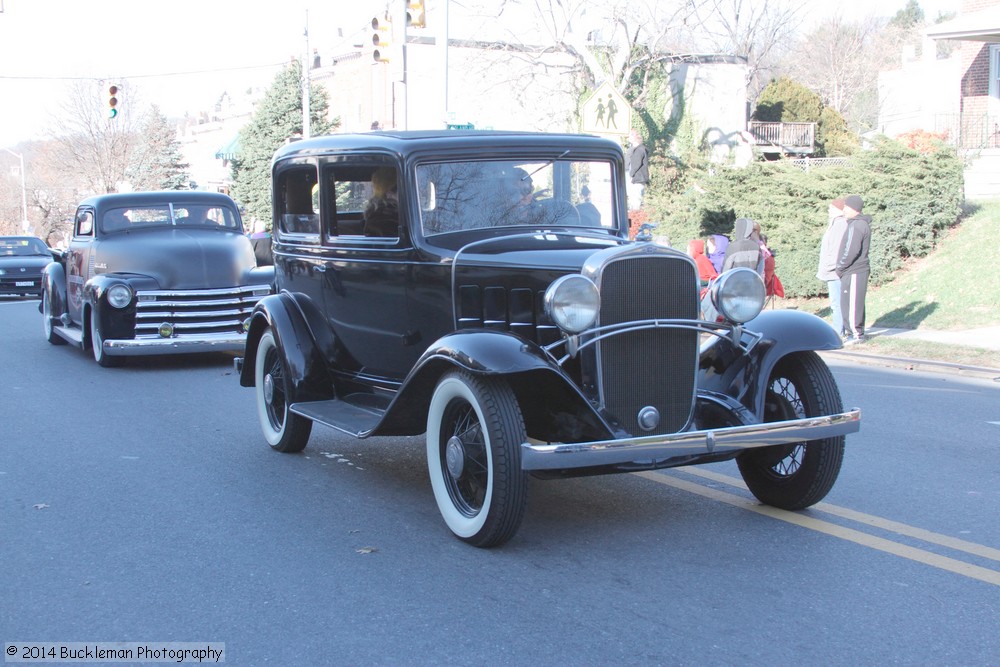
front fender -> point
(299, 335)
(54, 286)
(729, 370)
(552, 405)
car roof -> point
(126, 199)
(404, 143)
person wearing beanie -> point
(828, 249)
(853, 269)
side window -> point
(297, 202)
(364, 201)
(85, 223)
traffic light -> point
(381, 38)
(112, 101)
(415, 17)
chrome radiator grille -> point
(205, 311)
(652, 367)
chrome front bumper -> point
(689, 443)
(187, 344)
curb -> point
(918, 364)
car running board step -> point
(341, 415)
(71, 334)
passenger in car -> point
(382, 210)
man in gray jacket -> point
(853, 269)
(827, 272)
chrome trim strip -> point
(690, 443)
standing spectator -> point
(696, 251)
(744, 250)
(829, 247)
(637, 164)
(853, 269)
(772, 284)
(717, 244)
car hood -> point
(32, 264)
(563, 251)
(179, 258)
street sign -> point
(607, 112)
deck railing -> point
(784, 137)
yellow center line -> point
(869, 520)
(832, 529)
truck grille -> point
(651, 367)
(196, 311)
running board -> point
(340, 415)
(71, 334)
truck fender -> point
(725, 369)
(551, 404)
(294, 323)
(54, 285)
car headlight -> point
(738, 295)
(573, 303)
(119, 295)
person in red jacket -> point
(696, 251)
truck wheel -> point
(474, 435)
(97, 344)
(284, 430)
(796, 476)
(47, 329)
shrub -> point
(912, 198)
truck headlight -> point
(573, 303)
(119, 295)
(738, 295)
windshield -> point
(456, 196)
(167, 215)
(22, 247)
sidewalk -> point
(984, 337)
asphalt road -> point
(141, 504)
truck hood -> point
(178, 258)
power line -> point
(141, 76)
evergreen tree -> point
(157, 163)
(909, 17)
(277, 118)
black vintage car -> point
(22, 259)
(481, 288)
(154, 273)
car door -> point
(78, 259)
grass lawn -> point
(955, 287)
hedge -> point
(912, 197)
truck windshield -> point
(457, 196)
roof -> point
(229, 150)
(981, 26)
(120, 199)
(483, 142)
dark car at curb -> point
(22, 259)
(152, 273)
(501, 310)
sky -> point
(181, 54)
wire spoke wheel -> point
(474, 436)
(798, 475)
(284, 430)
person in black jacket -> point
(637, 163)
(853, 269)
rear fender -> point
(727, 370)
(553, 407)
(295, 324)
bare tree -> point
(754, 29)
(98, 149)
(840, 60)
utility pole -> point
(306, 66)
(24, 193)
